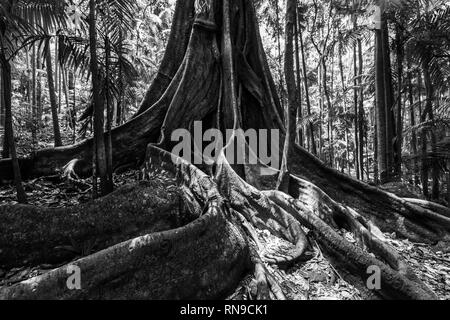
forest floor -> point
(314, 279)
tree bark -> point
(52, 93)
(399, 113)
(32, 235)
(389, 100)
(361, 113)
(2, 114)
(383, 169)
(39, 110)
(291, 110)
(106, 185)
(9, 131)
(5, 141)
(312, 141)
(109, 116)
(427, 158)
(412, 116)
(34, 139)
(355, 102)
(299, 79)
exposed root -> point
(266, 285)
(69, 170)
(204, 259)
(352, 259)
(260, 211)
(389, 212)
(444, 211)
(32, 235)
(368, 235)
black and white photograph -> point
(237, 151)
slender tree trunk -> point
(38, 93)
(66, 93)
(119, 104)
(109, 117)
(380, 110)
(376, 175)
(280, 68)
(361, 118)
(399, 126)
(27, 58)
(412, 115)
(320, 84)
(74, 107)
(344, 99)
(291, 111)
(355, 103)
(307, 97)
(57, 76)
(100, 151)
(429, 109)
(430, 95)
(2, 113)
(6, 145)
(388, 96)
(448, 183)
(426, 112)
(329, 109)
(9, 131)
(53, 100)
(34, 99)
(299, 78)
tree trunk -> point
(5, 140)
(412, 116)
(280, 68)
(389, 101)
(376, 176)
(383, 169)
(399, 113)
(66, 95)
(321, 99)
(344, 99)
(291, 110)
(106, 184)
(9, 131)
(2, 115)
(312, 141)
(360, 114)
(109, 117)
(74, 106)
(355, 100)
(34, 139)
(39, 106)
(299, 78)
(329, 109)
(58, 73)
(119, 102)
(448, 183)
(427, 158)
(52, 93)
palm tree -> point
(428, 44)
(291, 109)
(52, 93)
(20, 19)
